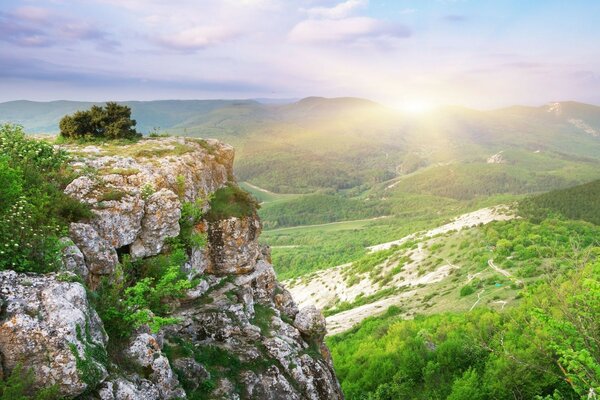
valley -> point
(416, 235)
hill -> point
(579, 202)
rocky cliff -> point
(235, 333)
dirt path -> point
(478, 299)
(504, 272)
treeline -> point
(580, 202)
(319, 209)
(546, 348)
(469, 181)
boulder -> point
(100, 257)
(233, 245)
(49, 327)
(145, 351)
(160, 221)
(119, 222)
(72, 259)
(310, 322)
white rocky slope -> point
(329, 287)
(237, 317)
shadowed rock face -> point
(239, 336)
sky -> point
(405, 53)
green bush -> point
(34, 210)
(231, 201)
(18, 386)
(466, 290)
(113, 121)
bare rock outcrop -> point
(237, 334)
(48, 326)
(161, 221)
(233, 245)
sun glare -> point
(418, 106)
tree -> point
(113, 121)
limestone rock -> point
(233, 245)
(49, 327)
(73, 260)
(145, 351)
(161, 221)
(192, 372)
(123, 389)
(310, 322)
(100, 257)
(81, 188)
(119, 222)
(284, 302)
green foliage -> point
(189, 234)
(145, 301)
(94, 356)
(231, 201)
(33, 208)
(570, 321)
(579, 202)
(140, 293)
(546, 346)
(113, 121)
(319, 209)
(466, 290)
(19, 386)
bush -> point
(231, 201)
(113, 121)
(466, 290)
(18, 386)
(33, 208)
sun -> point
(414, 106)
(418, 106)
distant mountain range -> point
(350, 143)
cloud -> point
(340, 10)
(36, 70)
(197, 38)
(345, 30)
(39, 27)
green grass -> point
(231, 201)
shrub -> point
(33, 208)
(231, 201)
(113, 121)
(466, 290)
(18, 386)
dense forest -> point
(580, 202)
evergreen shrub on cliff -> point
(113, 121)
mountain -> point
(349, 143)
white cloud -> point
(347, 29)
(198, 37)
(340, 10)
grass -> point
(231, 201)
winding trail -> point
(478, 299)
(504, 272)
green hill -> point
(580, 202)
